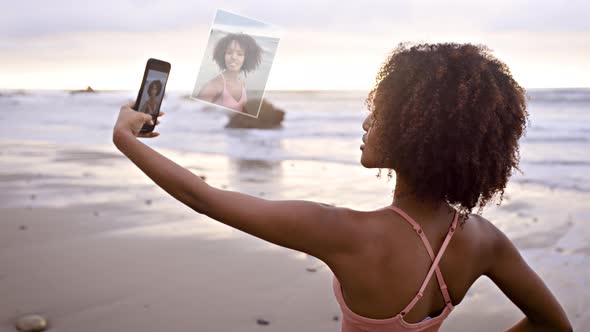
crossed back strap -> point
(436, 260)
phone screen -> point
(152, 93)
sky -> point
(325, 45)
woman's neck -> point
(405, 198)
(231, 75)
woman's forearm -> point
(173, 178)
(525, 325)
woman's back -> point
(383, 279)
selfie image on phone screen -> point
(152, 96)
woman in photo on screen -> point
(151, 105)
(234, 54)
(447, 119)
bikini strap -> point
(442, 285)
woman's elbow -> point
(567, 327)
(561, 326)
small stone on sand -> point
(22, 227)
(95, 213)
(31, 323)
(203, 177)
(335, 318)
(148, 201)
(261, 321)
(311, 269)
(223, 186)
(33, 196)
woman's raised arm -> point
(320, 230)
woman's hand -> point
(131, 121)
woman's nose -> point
(366, 124)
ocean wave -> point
(553, 185)
(572, 95)
(562, 139)
(559, 162)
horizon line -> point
(269, 90)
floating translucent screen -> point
(209, 87)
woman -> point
(151, 105)
(447, 119)
(234, 53)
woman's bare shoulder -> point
(486, 229)
(211, 89)
(216, 82)
(480, 224)
(485, 237)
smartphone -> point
(151, 92)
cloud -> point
(21, 19)
(542, 16)
(26, 20)
(319, 36)
(29, 19)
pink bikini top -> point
(353, 322)
(227, 100)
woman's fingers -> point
(149, 135)
(129, 104)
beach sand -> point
(90, 243)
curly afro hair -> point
(253, 52)
(448, 118)
(158, 86)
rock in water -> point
(269, 117)
(88, 89)
(31, 323)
